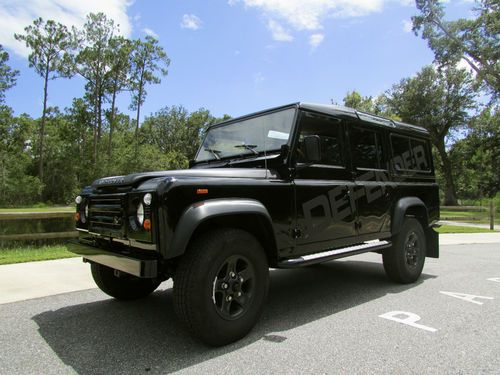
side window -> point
(420, 155)
(401, 153)
(329, 131)
(366, 149)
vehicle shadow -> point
(145, 336)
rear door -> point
(373, 191)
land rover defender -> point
(282, 188)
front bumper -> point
(140, 267)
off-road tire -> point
(123, 287)
(198, 279)
(403, 262)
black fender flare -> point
(398, 217)
(400, 209)
(200, 212)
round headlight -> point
(148, 198)
(78, 200)
(140, 214)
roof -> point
(337, 110)
(331, 109)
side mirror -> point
(312, 148)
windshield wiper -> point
(248, 147)
(214, 152)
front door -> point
(325, 210)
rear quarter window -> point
(410, 154)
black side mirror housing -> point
(312, 148)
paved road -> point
(322, 319)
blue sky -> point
(239, 56)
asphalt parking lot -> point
(321, 319)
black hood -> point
(135, 178)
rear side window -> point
(420, 155)
(410, 154)
(366, 149)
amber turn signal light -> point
(77, 216)
(201, 191)
(147, 225)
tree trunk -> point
(111, 125)
(94, 153)
(42, 123)
(450, 195)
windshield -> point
(248, 137)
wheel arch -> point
(415, 207)
(247, 214)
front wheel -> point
(122, 286)
(220, 285)
(404, 261)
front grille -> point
(107, 215)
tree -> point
(147, 59)
(17, 185)
(93, 63)
(50, 43)
(474, 40)
(353, 99)
(440, 102)
(8, 76)
(117, 77)
(476, 158)
(174, 131)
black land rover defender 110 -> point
(283, 188)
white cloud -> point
(407, 26)
(308, 15)
(17, 14)
(279, 33)
(150, 32)
(258, 78)
(316, 39)
(190, 21)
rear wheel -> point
(220, 285)
(121, 285)
(404, 261)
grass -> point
(39, 209)
(481, 217)
(457, 229)
(33, 253)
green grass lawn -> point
(39, 209)
(33, 253)
(480, 217)
(456, 229)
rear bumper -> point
(145, 268)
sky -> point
(239, 56)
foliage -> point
(476, 158)
(8, 75)
(50, 43)
(17, 184)
(147, 58)
(474, 39)
(440, 102)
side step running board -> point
(307, 260)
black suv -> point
(283, 188)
